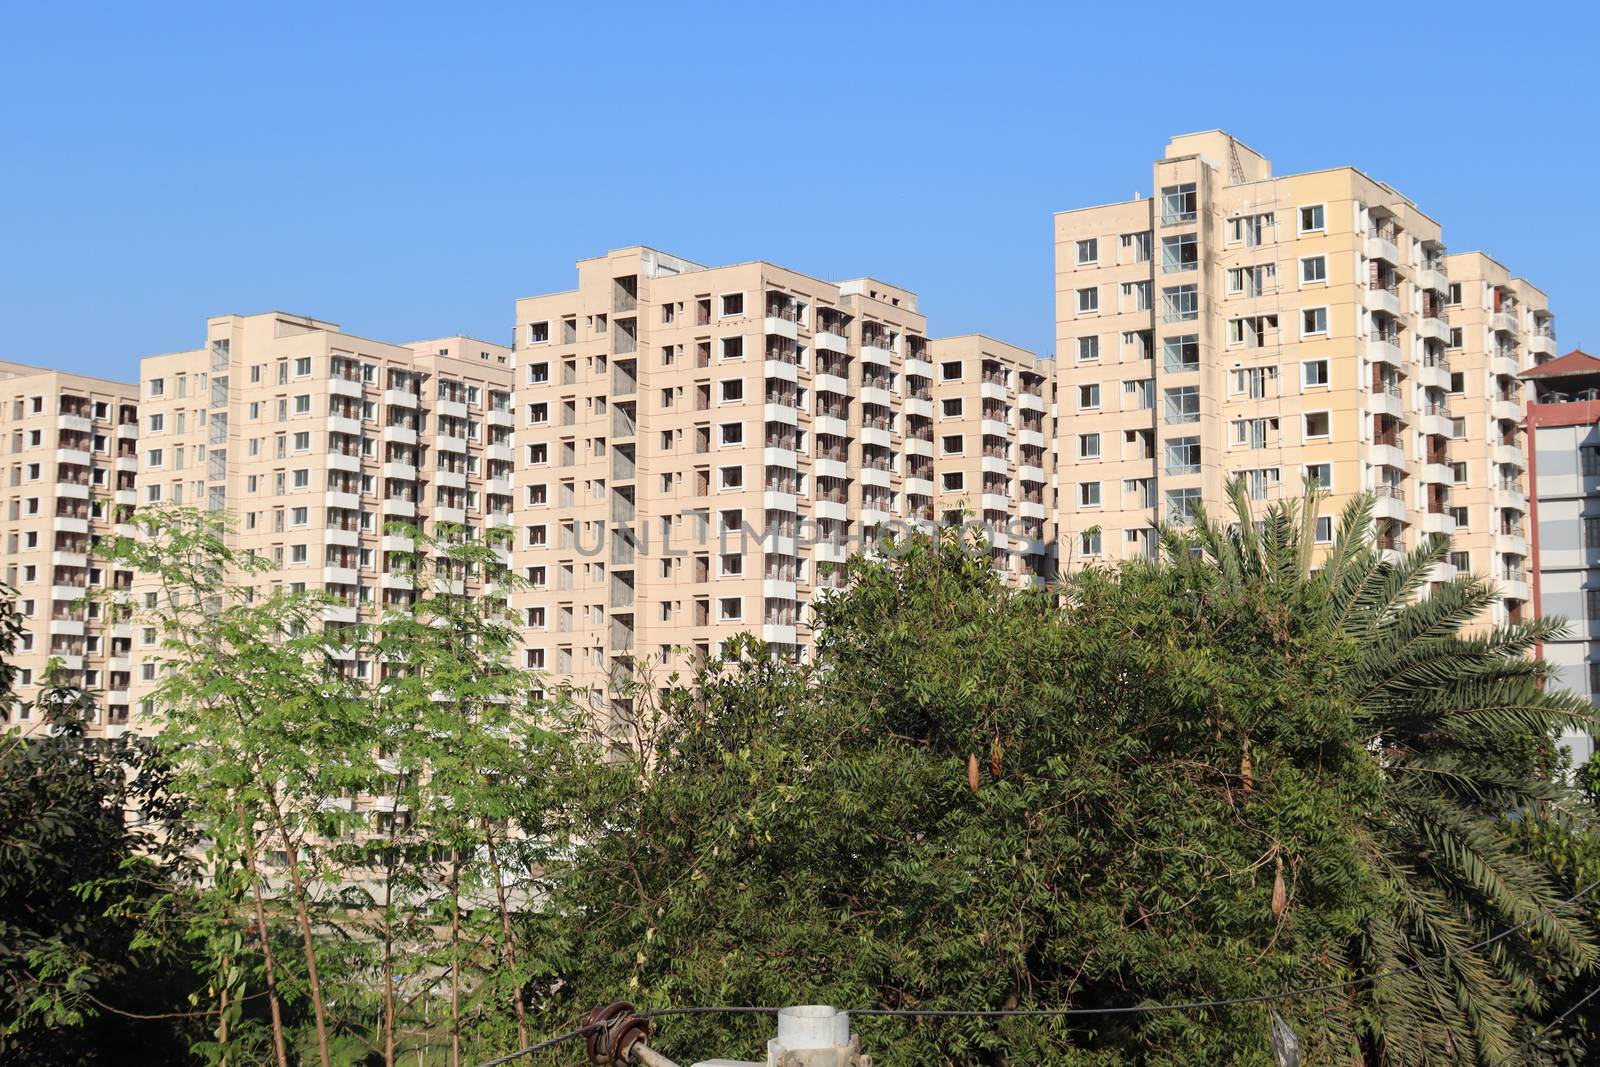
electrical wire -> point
(1545, 1032)
(1132, 1009)
(546, 1043)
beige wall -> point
(1258, 325)
(312, 440)
(68, 444)
(681, 401)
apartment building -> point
(1563, 452)
(69, 444)
(1241, 323)
(701, 448)
(992, 462)
(1500, 326)
(314, 440)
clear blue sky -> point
(409, 171)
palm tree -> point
(1461, 724)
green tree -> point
(1222, 775)
(86, 860)
(266, 729)
(1461, 726)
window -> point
(302, 404)
(1458, 382)
(302, 441)
(297, 553)
(1088, 348)
(302, 367)
(1088, 396)
(1461, 561)
(950, 444)
(1313, 218)
(1313, 321)
(1313, 269)
(1088, 300)
(1089, 494)
(1319, 475)
(730, 608)
(1183, 455)
(1316, 424)
(731, 433)
(1458, 427)
(1590, 459)
(1591, 533)
(538, 333)
(1180, 303)
(1180, 253)
(1136, 294)
(158, 387)
(1314, 373)
(1459, 516)
(951, 371)
(952, 407)
(1455, 337)
(733, 348)
(1138, 245)
(302, 478)
(731, 477)
(1324, 534)
(954, 482)
(1455, 294)
(1089, 542)
(1178, 203)
(1181, 354)
(732, 304)
(1251, 230)
(1183, 404)
(1088, 446)
(1182, 505)
(732, 390)
(1139, 394)
(1088, 251)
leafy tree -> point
(85, 971)
(265, 730)
(1461, 726)
(460, 740)
(1223, 775)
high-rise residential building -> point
(1273, 328)
(314, 440)
(992, 458)
(69, 444)
(1563, 452)
(701, 448)
(1500, 326)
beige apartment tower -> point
(70, 445)
(701, 448)
(314, 440)
(1273, 328)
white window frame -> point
(1299, 218)
(1093, 293)
(1092, 246)
(1305, 367)
(1304, 436)
(1321, 257)
(1327, 325)
(722, 304)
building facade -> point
(69, 444)
(1273, 328)
(1500, 326)
(700, 449)
(1563, 450)
(314, 441)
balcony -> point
(1382, 246)
(449, 479)
(1429, 277)
(339, 385)
(336, 575)
(993, 389)
(1542, 344)
(74, 423)
(1510, 410)
(70, 524)
(1385, 300)
(399, 508)
(446, 513)
(1386, 403)
(1384, 350)
(1433, 328)
(399, 435)
(344, 424)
